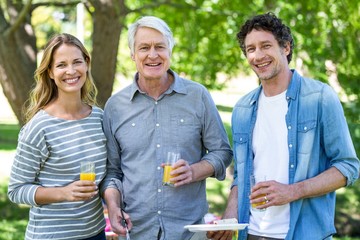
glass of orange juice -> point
(87, 171)
(172, 157)
(253, 181)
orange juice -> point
(236, 235)
(168, 167)
(87, 176)
(254, 205)
(167, 176)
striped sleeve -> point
(31, 152)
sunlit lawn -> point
(8, 136)
(13, 217)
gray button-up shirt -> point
(140, 132)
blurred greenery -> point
(14, 217)
(326, 34)
(8, 136)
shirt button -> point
(292, 165)
(157, 145)
(159, 190)
(133, 124)
(181, 120)
(158, 168)
(156, 103)
(305, 128)
(289, 127)
(157, 124)
(159, 212)
(290, 145)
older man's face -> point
(152, 54)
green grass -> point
(14, 217)
(8, 136)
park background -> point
(326, 33)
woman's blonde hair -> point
(45, 89)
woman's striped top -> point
(48, 154)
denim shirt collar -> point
(294, 85)
(177, 86)
(291, 93)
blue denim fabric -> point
(318, 138)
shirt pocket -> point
(134, 135)
(306, 136)
(185, 130)
(241, 143)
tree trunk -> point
(18, 51)
(107, 22)
(17, 63)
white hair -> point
(150, 22)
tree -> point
(326, 34)
(17, 53)
(18, 46)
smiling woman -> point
(63, 129)
(68, 69)
(63, 78)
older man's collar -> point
(177, 86)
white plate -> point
(215, 227)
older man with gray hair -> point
(160, 112)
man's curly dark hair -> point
(267, 22)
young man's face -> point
(264, 54)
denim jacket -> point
(318, 138)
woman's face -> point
(68, 69)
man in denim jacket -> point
(292, 130)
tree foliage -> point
(326, 32)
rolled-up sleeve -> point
(216, 142)
(337, 139)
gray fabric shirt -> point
(140, 131)
(48, 154)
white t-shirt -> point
(272, 160)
